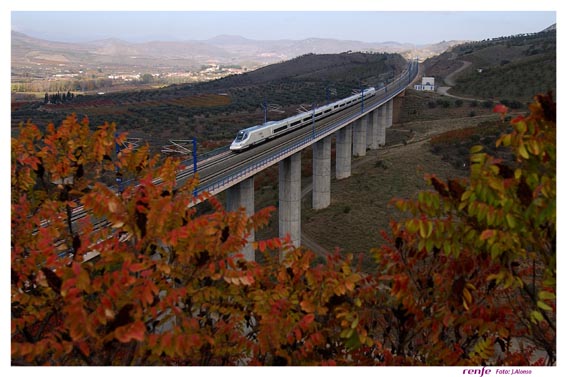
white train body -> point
(257, 134)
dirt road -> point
(450, 81)
(450, 78)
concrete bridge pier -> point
(290, 198)
(374, 142)
(344, 152)
(369, 130)
(390, 112)
(242, 195)
(322, 173)
(359, 137)
(382, 115)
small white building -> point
(427, 83)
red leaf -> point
(307, 306)
(136, 267)
(134, 331)
(500, 109)
(306, 321)
(84, 347)
(262, 246)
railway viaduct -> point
(355, 129)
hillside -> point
(370, 68)
(514, 68)
(112, 65)
(215, 110)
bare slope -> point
(514, 67)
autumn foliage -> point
(473, 267)
(133, 275)
(103, 276)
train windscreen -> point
(241, 136)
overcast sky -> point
(368, 26)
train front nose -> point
(236, 146)
(239, 143)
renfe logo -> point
(487, 371)
(476, 371)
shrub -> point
(492, 237)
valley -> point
(213, 111)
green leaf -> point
(478, 157)
(542, 305)
(422, 230)
(533, 147)
(447, 247)
(346, 333)
(510, 220)
(412, 225)
(523, 152)
(353, 342)
(521, 127)
(495, 251)
(504, 140)
(545, 295)
(354, 323)
(476, 149)
(425, 229)
(536, 316)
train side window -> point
(318, 114)
(295, 123)
(279, 129)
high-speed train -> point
(257, 134)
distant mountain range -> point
(223, 49)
